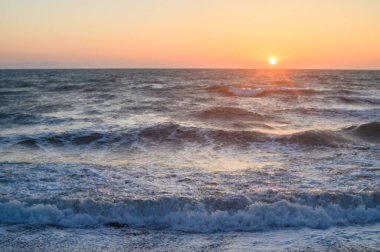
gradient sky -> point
(342, 34)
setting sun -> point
(272, 61)
(319, 34)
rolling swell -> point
(368, 131)
(229, 113)
(175, 132)
(358, 100)
(315, 137)
(261, 92)
(172, 133)
(253, 212)
(27, 119)
(159, 134)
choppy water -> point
(189, 160)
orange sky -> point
(343, 34)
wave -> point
(229, 113)
(27, 119)
(261, 92)
(245, 91)
(316, 137)
(66, 87)
(255, 212)
(73, 138)
(175, 133)
(358, 100)
(368, 131)
(283, 82)
(178, 134)
(13, 93)
(159, 134)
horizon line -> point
(189, 68)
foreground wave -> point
(255, 212)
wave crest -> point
(178, 134)
(269, 210)
(28, 119)
(368, 131)
(261, 92)
(316, 137)
(229, 113)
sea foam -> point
(231, 213)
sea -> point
(189, 160)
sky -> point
(301, 34)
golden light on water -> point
(272, 61)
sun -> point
(272, 61)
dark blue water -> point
(208, 159)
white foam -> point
(196, 216)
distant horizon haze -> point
(207, 34)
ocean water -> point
(179, 160)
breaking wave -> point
(255, 212)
